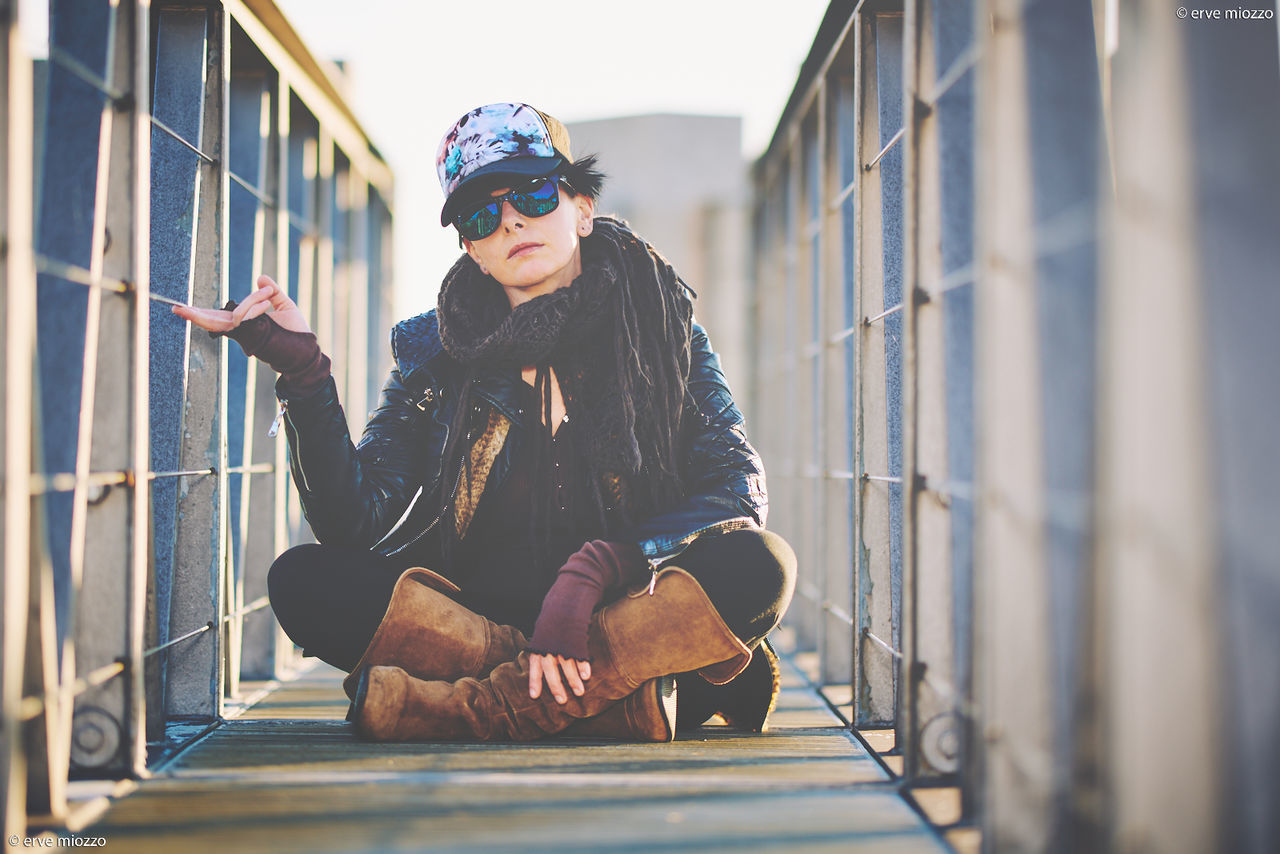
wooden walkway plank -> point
(289, 775)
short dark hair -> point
(584, 177)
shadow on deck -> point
(288, 775)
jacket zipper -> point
(404, 517)
(687, 540)
(274, 429)
(275, 425)
(452, 494)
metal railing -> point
(990, 358)
(136, 454)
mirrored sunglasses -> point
(537, 198)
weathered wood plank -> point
(290, 775)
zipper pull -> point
(275, 425)
(653, 579)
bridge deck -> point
(288, 775)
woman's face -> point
(532, 256)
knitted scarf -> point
(618, 339)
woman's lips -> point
(522, 249)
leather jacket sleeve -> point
(353, 494)
(724, 475)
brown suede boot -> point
(744, 703)
(429, 636)
(647, 714)
(638, 638)
(432, 637)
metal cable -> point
(60, 57)
(157, 475)
(256, 468)
(47, 484)
(256, 605)
(32, 707)
(867, 633)
(838, 612)
(77, 275)
(252, 190)
(962, 64)
(206, 627)
(177, 136)
(888, 145)
(867, 321)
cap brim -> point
(489, 178)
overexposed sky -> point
(417, 65)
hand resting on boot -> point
(559, 642)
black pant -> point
(330, 599)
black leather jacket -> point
(384, 493)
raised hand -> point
(267, 297)
(269, 325)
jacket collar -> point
(414, 343)
(420, 356)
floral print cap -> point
(511, 139)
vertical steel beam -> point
(804, 409)
(381, 278)
(1012, 595)
(835, 389)
(17, 319)
(767, 419)
(875, 668)
(954, 25)
(140, 456)
(770, 264)
(833, 632)
(1159, 593)
(182, 402)
(218, 236)
(907, 721)
(75, 163)
(282, 186)
(1067, 138)
(359, 295)
(100, 729)
(248, 110)
(305, 204)
(338, 204)
(929, 735)
(325, 288)
(807, 619)
(194, 678)
(258, 489)
(1233, 73)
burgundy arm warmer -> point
(295, 356)
(561, 628)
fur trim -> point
(471, 485)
